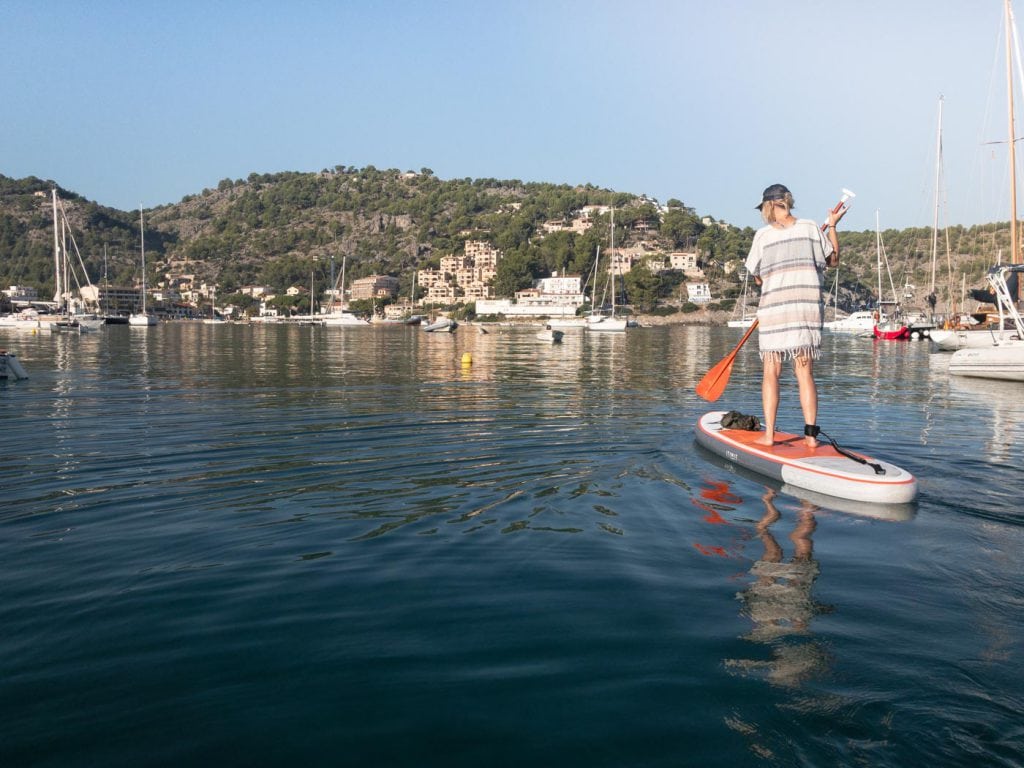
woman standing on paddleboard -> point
(787, 259)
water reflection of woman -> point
(779, 600)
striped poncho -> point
(790, 262)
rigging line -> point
(78, 253)
(1016, 43)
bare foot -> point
(811, 442)
(765, 440)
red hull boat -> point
(892, 332)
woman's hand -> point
(835, 216)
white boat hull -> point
(445, 325)
(859, 322)
(950, 341)
(1005, 362)
(343, 318)
(568, 322)
(606, 324)
(142, 321)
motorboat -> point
(1003, 356)
(1005, 361)
(860, 322)
(441, 325)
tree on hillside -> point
(681, 226)
(643, 287)
(516, 271)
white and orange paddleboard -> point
(823, 470)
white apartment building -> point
(453, 264)
(564, 285)
(553, 296)
(484, 255)
(441, 293)
(465, 277)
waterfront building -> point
(374, 287)
(21, 294)
(555, 296)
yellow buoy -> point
(467, 359)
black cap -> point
(774, 192)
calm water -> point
(289, 546)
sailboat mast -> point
(935, 219)
(56, 252)
(1014, 245)
(611, 256)
(344, 263)
(878, 253)
(142, 244)
(64, 266)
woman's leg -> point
(770, 398)
(804, 369)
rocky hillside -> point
(275, 228)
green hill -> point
(274, 229)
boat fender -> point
(15, 367)
(467, 359)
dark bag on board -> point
(737, 420)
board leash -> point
(879, 469)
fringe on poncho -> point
(790, 263)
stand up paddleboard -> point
(822, 470)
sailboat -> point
(70, 314)
(953, 335)
(889, 326)
(744, 321)
(341, 316)
(142, 319)
(214, 318)
(1004, 357)
(598, 320)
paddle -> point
(716, 380)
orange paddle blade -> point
(716, 380)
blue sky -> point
(131, 103)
